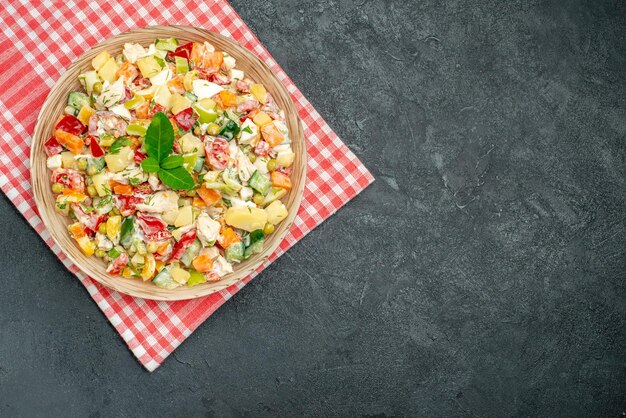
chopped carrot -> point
(142, 110)
(73, 196)
(123, 189)
(76, 230)
(176, 85)
(159, 265)
(128, 71)
(198, 203)
(162, 249)
(174, 124)
(197, 53)
(202, 263)
(228, 99)
(228, 237)
(213, 60)
(209, 196)
(280, 180)
(272, 135)
(69, 141)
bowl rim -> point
(117, 282)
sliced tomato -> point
(139, 157)
(217, 152)
(91, 221)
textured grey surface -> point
(481, 275)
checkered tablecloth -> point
(41, 38)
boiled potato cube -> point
(163, 96)
(285, 159)
(108, 70)
(262, 119)
(170, 216)
(100, 59)
(67, 160)
(190, 143)
(276, 212)
(101, 183)
(148, 66)
(179, 103)
(246, 218)
(121, 160)
(185, 217)
(258, 91)
(180, 275)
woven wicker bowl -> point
(53, 107)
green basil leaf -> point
(177, 178)
(159, 138)
(172, 161)
(118, 145)
(150, 165)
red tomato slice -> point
(118, 264)
(179, 248)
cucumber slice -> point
(165, 280)
(259, 182)
(182, 66)
(69, 110)
(230, 179)
(191, 252)
(235, 253)
(196, 278)
(274, 194)
(257, 239)
(77, 100)
(199, 164)
(169, 44)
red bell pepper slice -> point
(179, 248)
(96, 150)
(154, 229)
(139, 157)
(52, 147)
(71, 125)
(183, 51)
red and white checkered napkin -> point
(39, 41)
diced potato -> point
(100, 59)
(180, 275)
(101, 183)
(121, 160)
(170, 216)
(163, 96)
(85, 113)
(179, 103)
(190, 143)
(285, 159)
(262, 119)
(137, 259)
(148, 66)
(258, 91)
(108, 71)
(185, 217)
(147, 93)
(67, 160)
(276, 212)
(246, 218)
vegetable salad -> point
(171, 163)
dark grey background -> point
(482, 274)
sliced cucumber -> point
(274, 194)
(235, 253)
(191, 252)
(182, 65)
(169, 44)
(77, 100)
(230, 179)
(165, 280)
(257, 239)
(259, 182)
